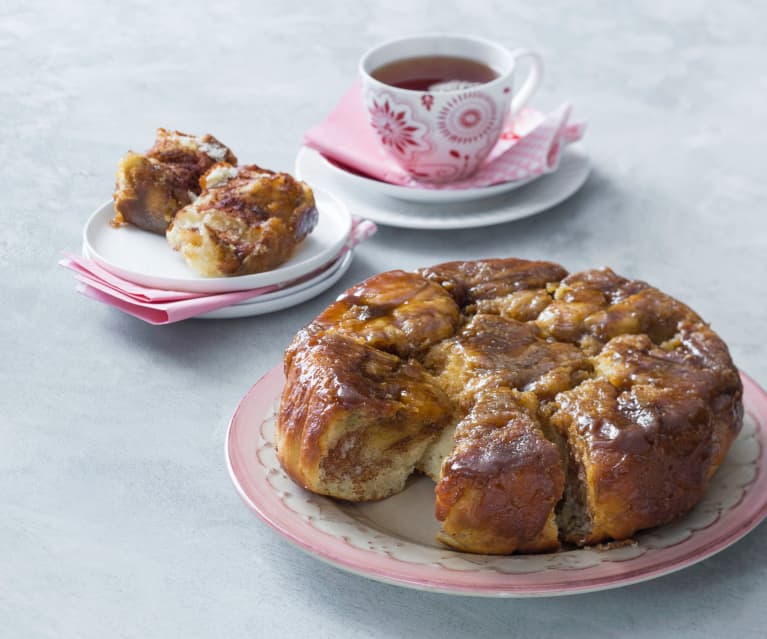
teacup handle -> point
(532, 81)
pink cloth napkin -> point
(161, 306)
(530, 146)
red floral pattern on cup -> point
(468, 117)
(396, 127)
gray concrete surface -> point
(117, 518)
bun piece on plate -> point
(246, 220)
(152, 187)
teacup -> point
(443, 132)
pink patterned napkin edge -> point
(157, 306)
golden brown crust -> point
(246, 220)
(502, 481)
(395, 311)
(491, 350)
(579, 407)
(149, 193)
(354, 420)
(471, 281)
(151, 188)
(599, 305)
(646, 454)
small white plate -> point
(295, 288)
(288, 290)
(146, 258)
(408, 193)
(532, 198)
(284, 299)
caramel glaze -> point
(344, 402)
(469, 282)
(646, 454)
(503, 479)
(396, 311)
(255, 195)
(538, 372)
(491, 349)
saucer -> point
(287, 297)
(408, 193)
(525, 200)
(145, 258)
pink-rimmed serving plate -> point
(393, 540)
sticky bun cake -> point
(548, 408)
(246, 220)
(152, 187)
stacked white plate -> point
(146, 259)
(416, 208)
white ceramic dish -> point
(392, 540)
(146, 258)
(288, 290)
(407, 193)
(285, 298)
(312, 282)
(524, 201)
